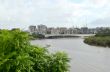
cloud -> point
(22, 13)
(101, 22)
(100, 3)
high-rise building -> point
(70, 31)
(42, 29)
(84, 30)
(32, 29)
(49, 30)
(62, 30)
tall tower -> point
(86, 21)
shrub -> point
(18, 55)
(40, 36)
(98, 40)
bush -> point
(18, 55)
(98, 40)
(40, 36)
(102, 35)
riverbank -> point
(57, 37)
(84, 58)
(98, 41)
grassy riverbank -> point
(18, 55)
(98, 40)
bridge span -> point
(67, 35)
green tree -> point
(40, 36)
(18, 55)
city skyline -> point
(54, 13)
(43, 29)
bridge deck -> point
(79, 35)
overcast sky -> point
(57, 13)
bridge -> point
(67, 35)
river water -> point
(84, 58)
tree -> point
(35, 35)
(18, 55)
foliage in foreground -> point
(98, 40)
(18, 55)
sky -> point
(54, 13)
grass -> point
(98, 41)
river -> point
(84, 58)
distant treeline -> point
(34, 36)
